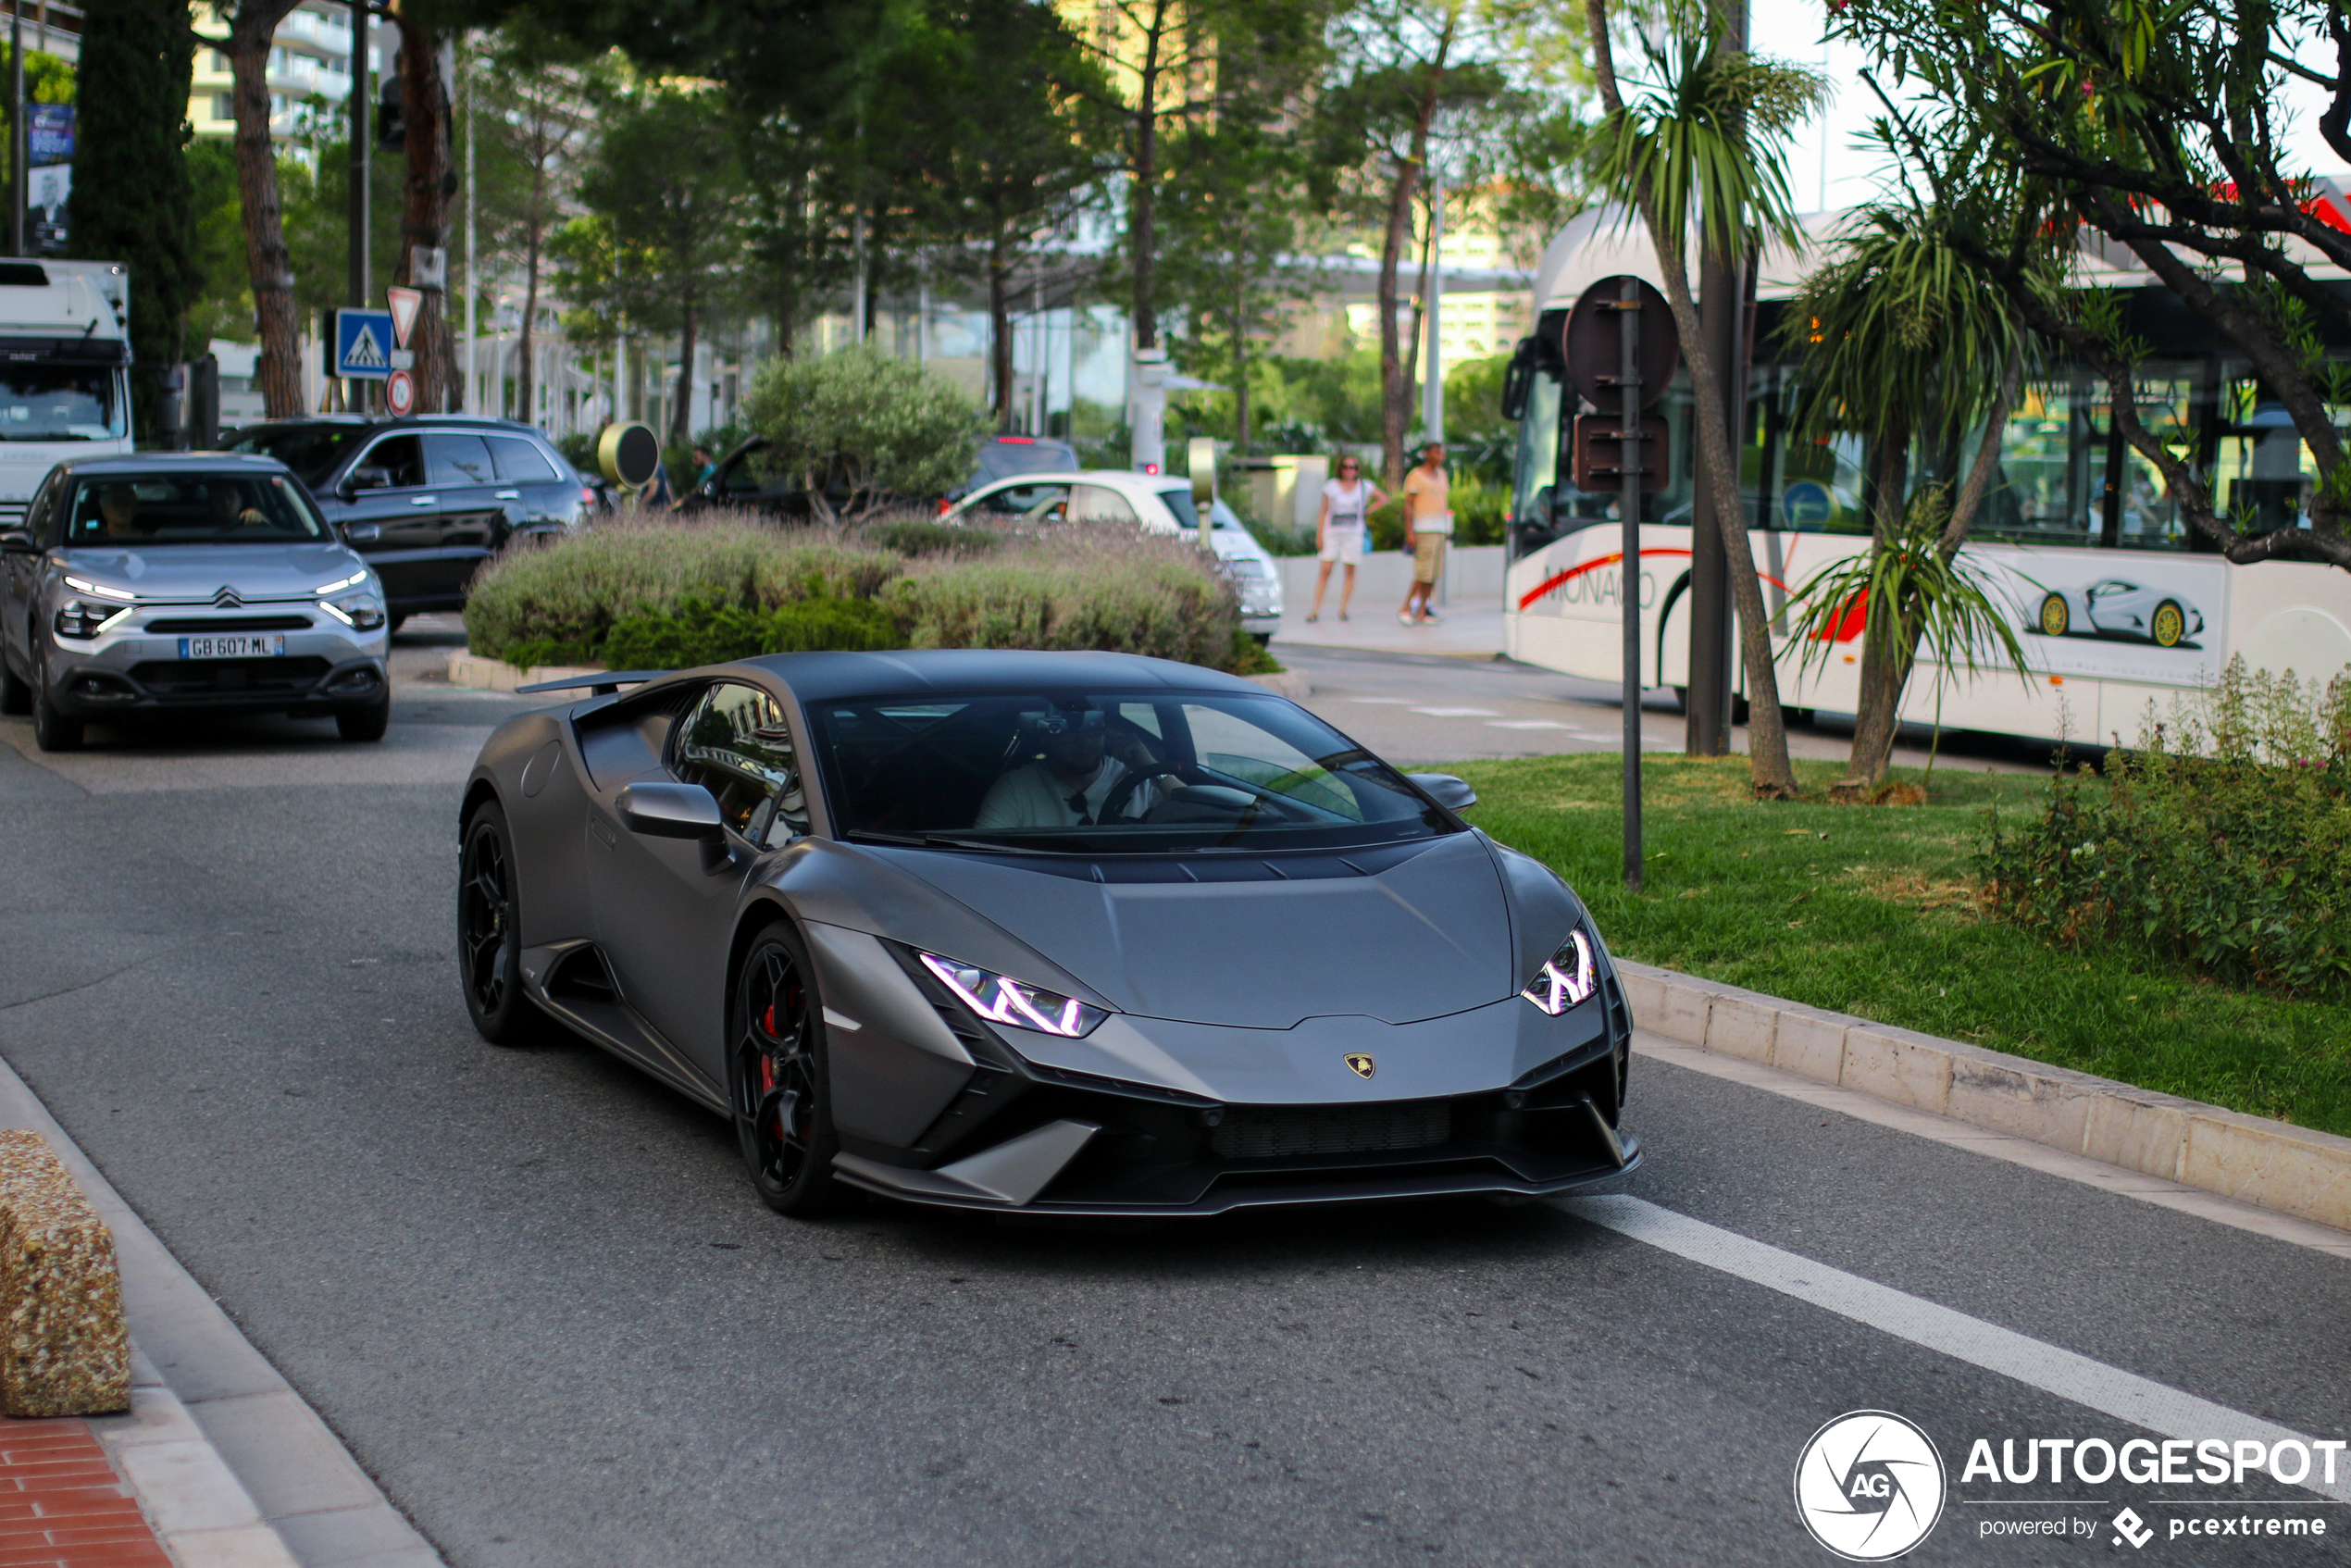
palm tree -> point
(1705, 151)
(1905, 343)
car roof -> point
(819, 677)
(174, 463)
(411, 421)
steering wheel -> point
(1123, 790)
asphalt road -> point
(533, 1293)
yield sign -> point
(405, 305)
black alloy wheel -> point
(782, 1098)
(52, 729)
(489, 934)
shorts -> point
(1428, 556)
(1342, 542)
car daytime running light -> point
(1002, 1000)
(101, 590)
(354, 580)
(1568, 980)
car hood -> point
(1399, 933)
(196, 572)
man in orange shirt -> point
(1428, 526)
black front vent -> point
(1278, 1132)
(176, 677)
(211, 624)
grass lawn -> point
(1871, 910)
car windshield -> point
(61, 403)
(311, 451)
(1108, 772)
(192, 509)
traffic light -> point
(391, 126)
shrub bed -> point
(668, 594)
(2222, 844)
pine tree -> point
(132, 200)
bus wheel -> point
(2055, 618)
(2167, 624)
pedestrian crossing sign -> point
(363, 344)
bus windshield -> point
(61, 403)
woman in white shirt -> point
(1338, 531)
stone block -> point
(2137, 1134)
(64, 1347)
(1736, 1027)
(1810, 1045)
(2293, 1169)
(1681, 1012)
(1644, 997)
(1898, 1071)
(2000, 1098)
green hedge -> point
(2222, 844)
(670, 594)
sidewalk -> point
(227, 1466)
(1472, 628)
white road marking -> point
(2109, 1390)
(1456, 713)
(1385, 701)
(1531, 724)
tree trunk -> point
(681, 417)
(526, 379)
(1395, 394)
(1769, 771)
(424, 100)
(271, 268)
(1240, 356)
(1141, 195)
(999, 327)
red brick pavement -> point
(63, 1506)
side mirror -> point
(17, 542)
(361, 533)
(677, 811)
(1453, 794)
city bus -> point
(2117, 602)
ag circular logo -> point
(1869, 1486)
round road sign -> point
(400, 394)
(1595, 343)
(629, 454)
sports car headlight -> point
(1002, 1000)
(1568, 980)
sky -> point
(1828, 170)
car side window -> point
(519, 461)
(1099, 504)
(395, 461)
(456, 459)
(736, 744)
(1020, 500)
(36, 511)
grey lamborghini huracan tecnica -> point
(1052, 933)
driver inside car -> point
(1071, 783)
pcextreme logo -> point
(1869, 1486)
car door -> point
(1099, 504)
(385, 486)
(463, 482)
(662, 912)
(20, 577)
(1026, 500)
(534, 494)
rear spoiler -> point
(603, 683)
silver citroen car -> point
(142, 584)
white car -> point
(1153, 502)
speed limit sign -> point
(400, 392)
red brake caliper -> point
(767, 1065)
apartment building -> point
(309, 57)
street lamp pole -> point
(355, 391)
(18, 143)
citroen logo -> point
(1363, 1066)
(227, 598)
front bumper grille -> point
(180, 677)
(1251, 1132)
(205, 626)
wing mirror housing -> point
(361, 533)
(1453, 794)
(17, 542)
(677, 811)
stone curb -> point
(239, 1462)
(476, 673)
(2270, 1164)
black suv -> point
(426, 499)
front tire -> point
(364, 724)
(53, 730)
(2055, 617)
(15, 697)
(779, 1078)
(2167, 624)
(489, 932)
